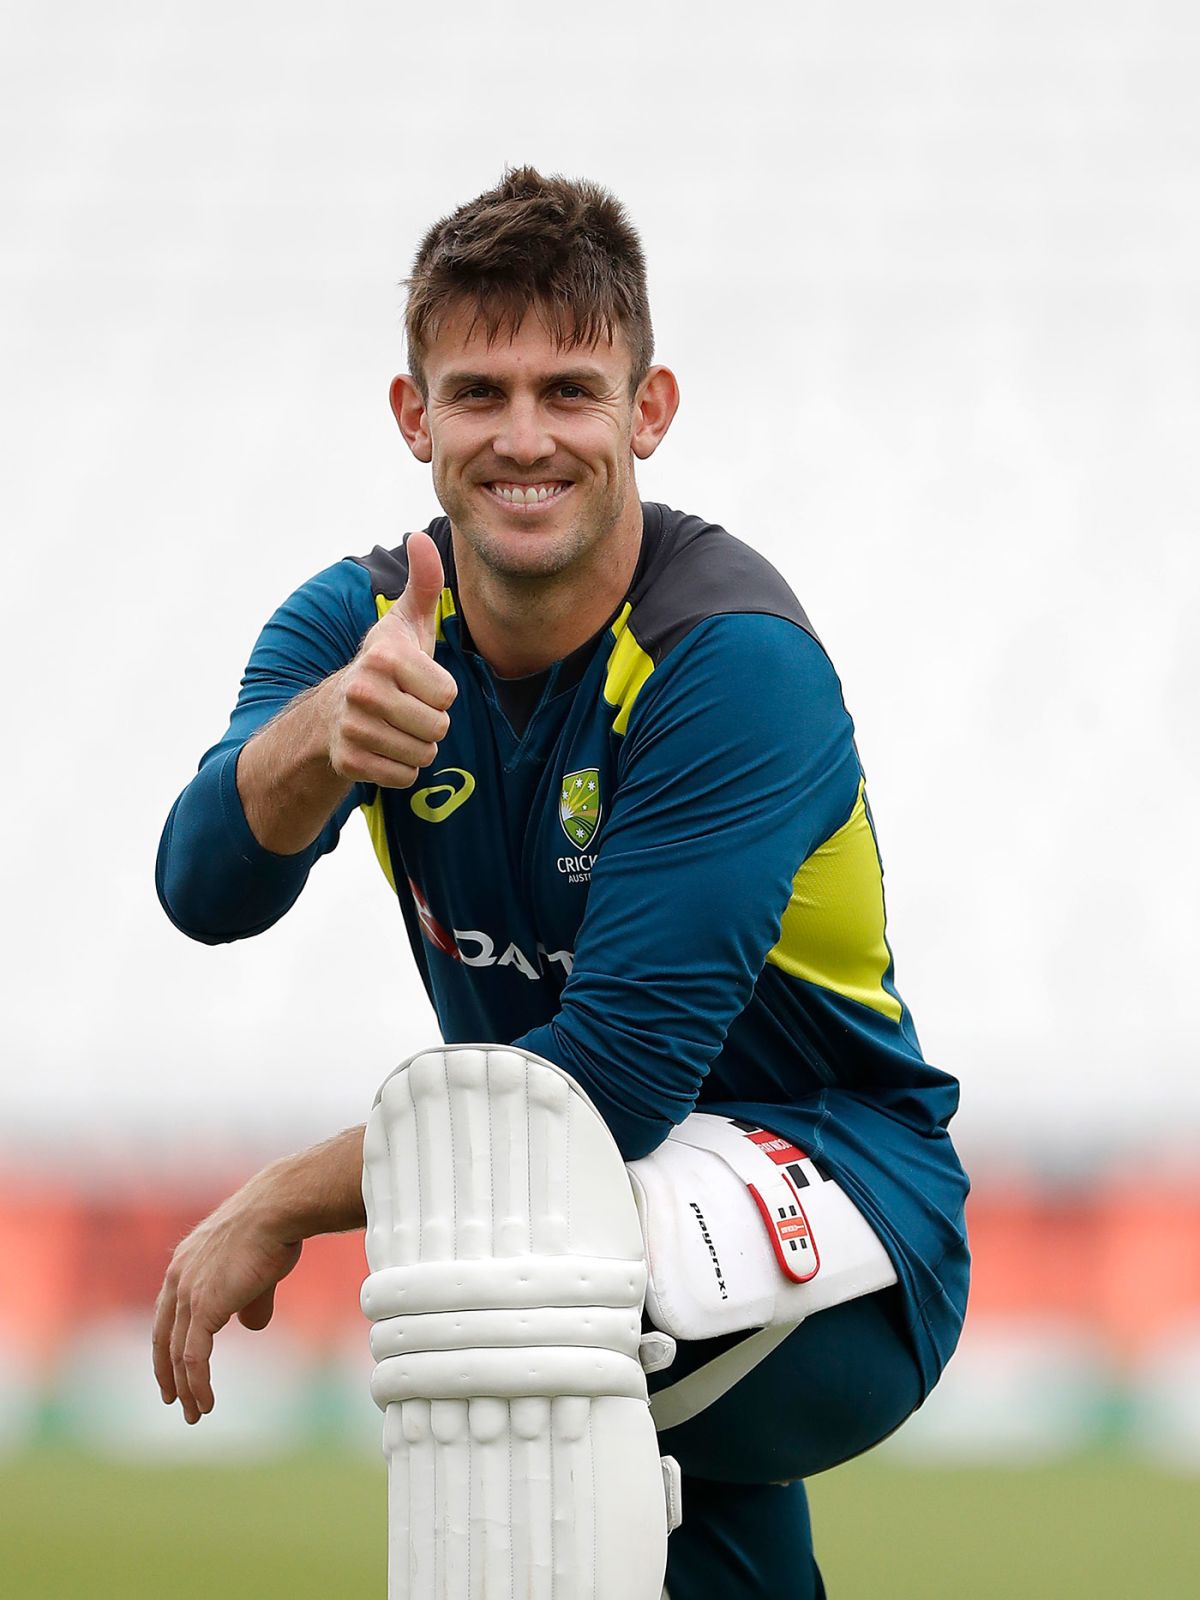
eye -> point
(474, 391)
(570, 391)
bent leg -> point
(842, 1382)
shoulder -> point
(313, 633)
(320, 624)
(340, 587)
(710, 618)
(388, 569)
(693, 571)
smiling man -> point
(609, 777)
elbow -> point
(196, 903)
(210, 919)
(636, 1132)
(214, 881)
(183, 886)
(645, 1138)
(171, 886)
(637, 1110)
(185, 911)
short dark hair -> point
(561, 247)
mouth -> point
(528, 497)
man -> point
(607, 771)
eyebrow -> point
(581, 375)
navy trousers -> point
(842, 1382)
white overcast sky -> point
(929, 277)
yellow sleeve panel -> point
(628, 668)
(445, 608)
(375, 827)
(833, 932)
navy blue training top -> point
(665, 879)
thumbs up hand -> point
(391, 703)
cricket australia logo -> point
(579, 805)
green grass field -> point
(310, 1528)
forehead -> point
(462, 344)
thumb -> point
(260, 1310)
(418, 604)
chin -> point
(515, 552)
(537, 558)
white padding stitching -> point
(601, 1327)
(513, 1283)
(506, 1374)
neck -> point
(523, 623)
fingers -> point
(197, 1352)
(397, 730)
(394, 708)
(191, 1352)
(164, 1322)
(371, 704)
(392, 658)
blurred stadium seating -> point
(1084, 1323)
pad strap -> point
(682, 1401)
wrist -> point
(318, 1190)
(286, 783)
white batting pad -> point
(506, 1290)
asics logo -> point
(436, 801)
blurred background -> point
(930, 278)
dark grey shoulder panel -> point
(389, 568)
(695, 570)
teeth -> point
(527, 494)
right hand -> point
(389, 706)
(228, 1266)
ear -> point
(654, 408)
(408, 408)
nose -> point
(522, 436)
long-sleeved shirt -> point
(655, 867)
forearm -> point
(319, 1190)
(314, 719)
(285, 782)
(215, 880)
